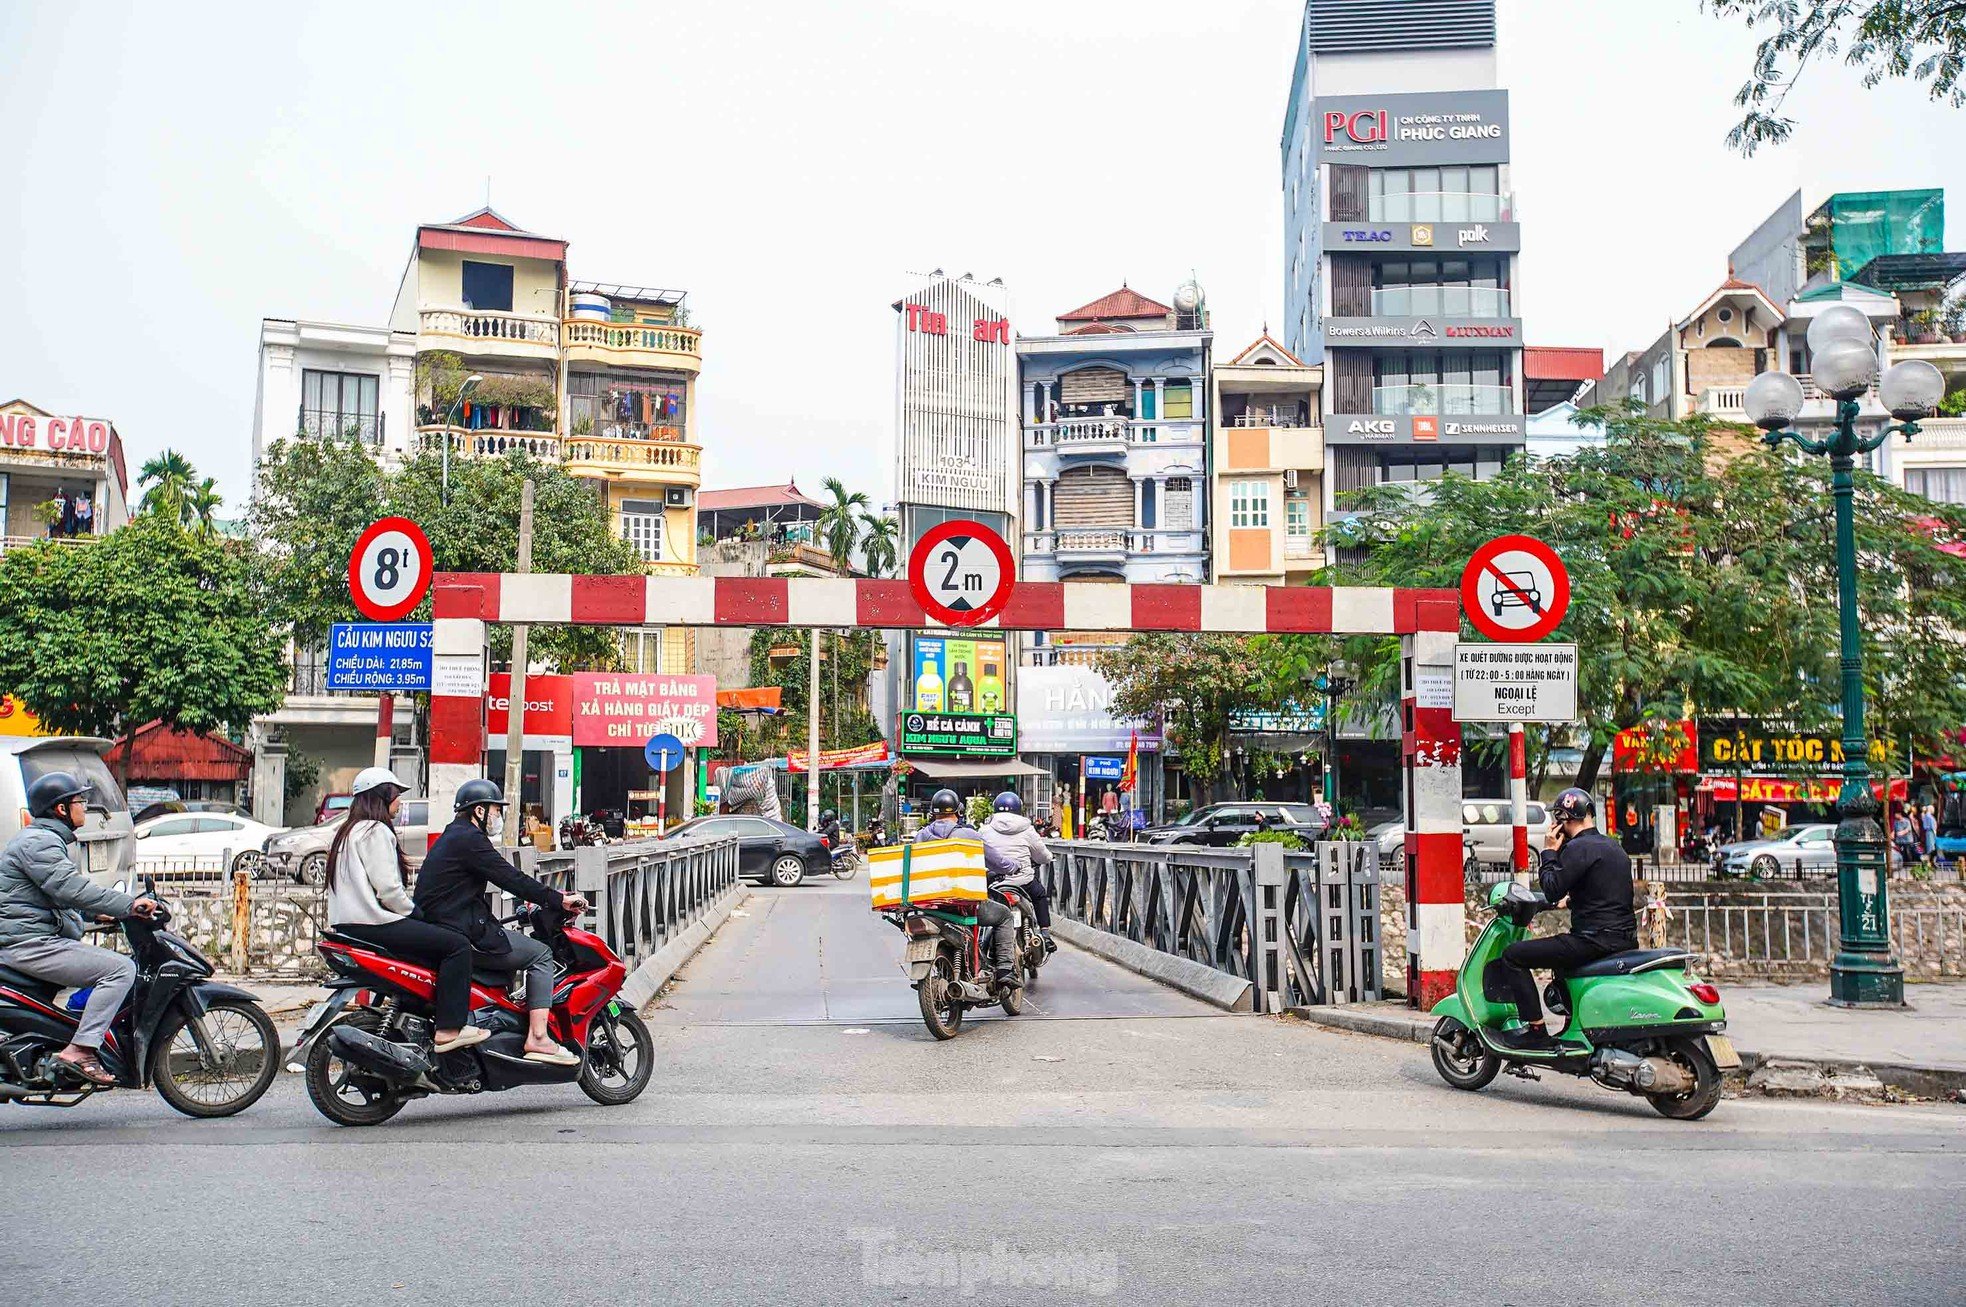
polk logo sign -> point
(1475, 235)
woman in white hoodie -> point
(369, 900)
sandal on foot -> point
(466, 1037)
(558, 1057)
(88, 1068)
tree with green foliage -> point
(880, 543)
(1703, 579)
(201, 505)
(839, 522)
(150, 623)
(316, 494)
(169, 478)
(1920, 40)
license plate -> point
(98, 855)
(1016, 919)
(1722, 1049)
(923, 950)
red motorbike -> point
(369, 1048)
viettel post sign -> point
(624, 710)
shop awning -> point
(754, 698)
(946, 769)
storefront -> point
(1064, 717)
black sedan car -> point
(1220, 825)
(767, 851)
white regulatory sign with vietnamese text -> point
(1515, 682)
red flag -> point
(1130, 774)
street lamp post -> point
(450, 419)
(1333, 687)
(1864, 972)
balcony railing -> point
(1084, 435)
(1300, 547)
(1114, 540)
(322, 423)
(668, 455)
(1439, 206)
(1457, 301)
(1724, 399)
(491, 327)
(489, 443)
(633, 338)
(1274, 417)
(22, 542)
(1396, 401)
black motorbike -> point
(209, 1049)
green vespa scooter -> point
(1639, 1022)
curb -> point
(1939, 1082)
(1217, 988)
(647, 980)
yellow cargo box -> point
(937, 871)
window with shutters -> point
(1180, 506)
(641, 526)
(1092, 497)
(641, 650)
(1249, 503)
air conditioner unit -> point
(677, 496)
(1290, 479)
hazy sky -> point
(181, 171)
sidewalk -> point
(1789, 1039)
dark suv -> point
(1220, 825)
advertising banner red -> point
(625, 709)
(830, 759)
(1776, 789)
(1657, 747)
(549, 706)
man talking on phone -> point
(1586, 866)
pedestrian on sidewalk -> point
(1904, 835)
(1928, 828)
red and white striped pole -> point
(1519, 799)
(1430, 742)
(457, 699)
(385, 727)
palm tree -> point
(201, 502)
(880, 543)
(170, 478)
(839, 522)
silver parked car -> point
(1798, 851)
(1488, 832)
(301, 854)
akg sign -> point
(1421, 428)
(1385, 131)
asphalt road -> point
(817, 1145)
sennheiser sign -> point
(1391, 131)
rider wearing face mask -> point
(451, 889)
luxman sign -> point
(1391, 131)
(1404, 237)
(1424, 332)
(1455, 428)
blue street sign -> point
(1104, 769)
(379, 657)
(664, 752)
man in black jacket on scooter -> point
(1585, 865)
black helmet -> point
(49, 792)
(945, 801)
(1574, 805)
(1009, 802)
(477, 791)
(827, 815)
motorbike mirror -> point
(1498, 893)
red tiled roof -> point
(753, 497)
(180, 755)
(1562, 363)
(1122, 304)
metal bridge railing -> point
(646, 892)
(1302, 927)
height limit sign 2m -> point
(961, 573)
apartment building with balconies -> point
(1268, 464)
(61, 477)
(1116, 412)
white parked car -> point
(105, 836)
(178, 843)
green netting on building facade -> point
(1861, 225)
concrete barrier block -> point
(1230, 993)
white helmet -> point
(370, 778)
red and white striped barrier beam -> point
(1033, 606)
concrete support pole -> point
(812, 734)
(515, 713)
(1430, 745)
(1518, 801)
(385, 727)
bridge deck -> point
(817, 954)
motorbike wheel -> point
(846, 867)
(342, 1092)
(1704, 1096)
(1013, 1001)
(620, 1058)
(248, 1050)
(941, 1014)
(1460, 1057)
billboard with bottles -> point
(953, 674)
